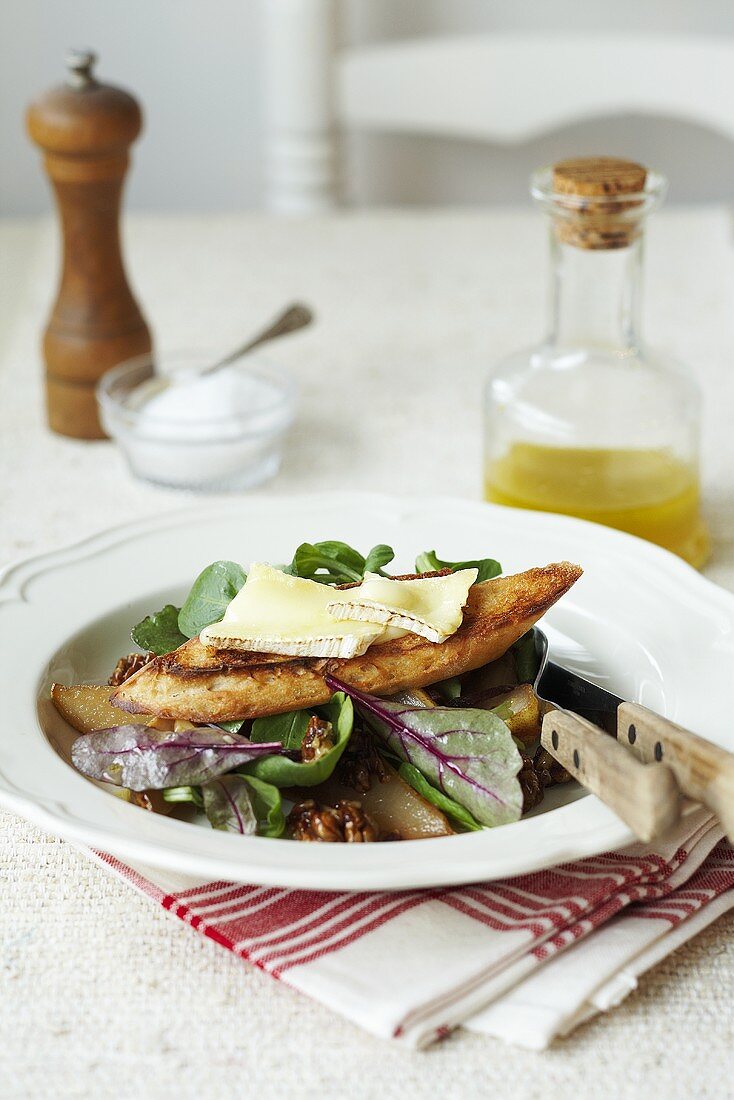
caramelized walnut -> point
(361, 763)
(317, 740)
(345, 823)
(549, 770)
(142, 799)
(530, 784)
(128, 666)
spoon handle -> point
(290, 320)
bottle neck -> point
(595, 296)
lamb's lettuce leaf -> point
(449, 689)
(211, 593)
(450, 807)
(167, 629)
(288, 728)
(526, 658)
(283, 772)
(332, 562)
(487, 567)
(378, 557)
(159, 633)
(142, 758)
(468, 754)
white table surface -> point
(101, 993)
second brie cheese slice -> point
(276, 613)
(430, 606)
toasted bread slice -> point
(207, 685)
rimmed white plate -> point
(639, 621)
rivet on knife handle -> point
(705, 772)
(646, 798)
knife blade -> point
(558, 687)
(569, 691)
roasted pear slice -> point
(87, 707)
(397, 810)
(202, 685)
(519, 709)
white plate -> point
(639, 621)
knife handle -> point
(705, 772)
(647, 798)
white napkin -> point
(525, 959)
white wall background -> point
(195, 66)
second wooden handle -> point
(646, 798)
(704, 771)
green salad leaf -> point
(282, 772)
(314, 563)
(332, 562)
(184, 794)
(214, 588)
(268, 806)
(290, 728)
(159, 632)
(449, 689)
(378, 556)
(526, 658)
(234, 726)
(450, 807)
(428, 561)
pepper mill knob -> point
(85, 130)
(79, 63)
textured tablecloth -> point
(100, 993)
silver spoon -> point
(294, 317)
(290, 320)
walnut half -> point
(345, 823)
(361, 763)
(128, 666)
(530, 784)
(317, 740)
(549, 770)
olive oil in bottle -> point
(651, 494)
(591, 423)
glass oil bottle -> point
(592, 423)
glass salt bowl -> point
(223, 432)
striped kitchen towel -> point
(525, 959)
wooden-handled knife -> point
(640, 770)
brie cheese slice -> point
(430, 606)
(276, 613)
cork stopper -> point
(597, 215)
(598, 176)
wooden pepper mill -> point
(85, 130)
